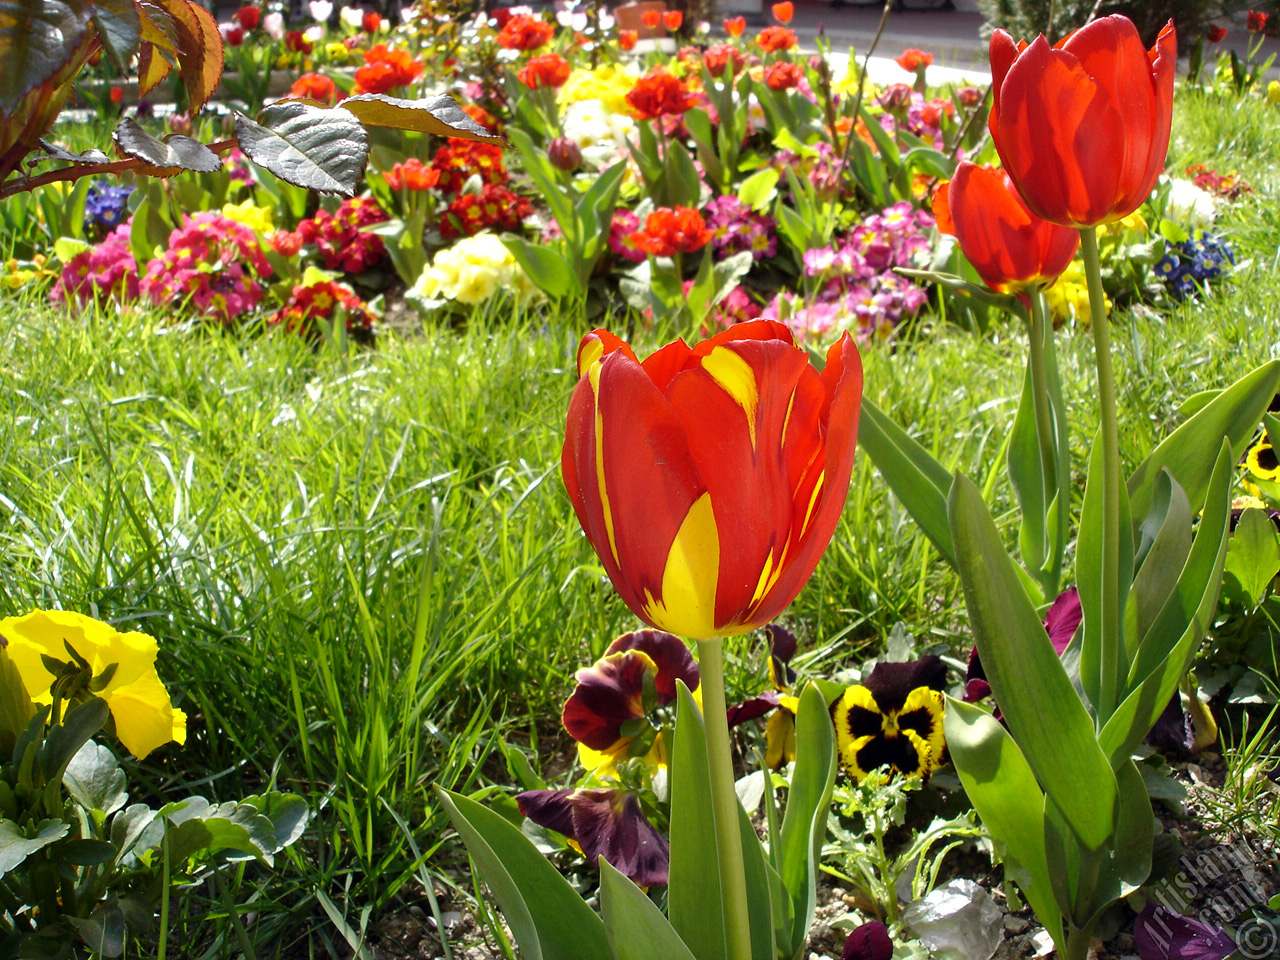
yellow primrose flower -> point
(608, 84)
(256, 218)
(1273, 91)
(139, 703)
(1068, 298)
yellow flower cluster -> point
(473, 270)
(1068, 298)
(139, 703)
(256, 218)
(607, 83)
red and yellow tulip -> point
(709, 479)
(1083, 127)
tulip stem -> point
(1109, 632)
(725, 809)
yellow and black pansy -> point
(1261, 470)
(892, 721)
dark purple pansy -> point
(603, 823)
(869, 942)
(1161, 934)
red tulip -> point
(1083, 128)
(1007, 244)
(710, 479)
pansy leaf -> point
(324, 150)
(439, 115)
(16, 845)
(915, 477)
(1190, 451)
(1002, 788)
(95, 779)
(804, 822)
(1045, 716)
(548, 918)
(635, 926)
(164, 158)
(119, 29)
(37, 39)
(1253, 559)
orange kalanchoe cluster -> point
(314, 86)
(671, 230)
(458, 160)
(547, 70)
(776, 39)
(385, 69)
(523, 32)
(658, 94)
(413, 174)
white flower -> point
(473, 270)
(573, 19)
(1190, 206)
(321, 9)
(273, 24)
(352, 16)
(314, 33)
(606, 20)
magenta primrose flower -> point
(106, 270)
(213, 264)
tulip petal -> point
(686, 603)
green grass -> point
(364, 572)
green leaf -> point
(323, 150)
(547, 917)
(1166, 543)
(636, 928)
(1002, 788)
(16, 846)
(38, 38)
(438, 115)
(164, 158)
(1045, 716)
(288, 814)
(915, 477)
(544, 265)
(1253, 559)
(86, 852)
(804, 824)
(693, 885)
(103, 931)
(65, 740)
(759, 189)
(537, 165)
(764, 892)
(128, 825)
(1128, 861)
(119, 30)
(931, 162)
(1027, 476)
(1190, 451)
(95, 779)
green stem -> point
(1054, 464)
(724, 802)
(1109, 634)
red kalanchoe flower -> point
(1257, 21)
(1216, 33)
(658, 94)
(651, 18)
(1083, 128)
(783, 75)
(249, 16)
(783, 12)
(314, 86)
(735, 26)
(709, 479)
(413, 174)
(719, 56)
(775, 39)
(548, 70)
(385, 68)
(371, 21)
(671, 20)
(912, 59)
(458, 160)
(1007, 244)
(627, 38)
(523, 32)
(672, 230)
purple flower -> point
(105, 206)
(735, 227)
(1161, 934)
(107, 270)
(603, 823)
(869, 942)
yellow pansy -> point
(139, 703)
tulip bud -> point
(896, 96)
(969, 97)
(180, 123)
(564, 154)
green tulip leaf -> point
(1045, 716)
(693, 885)
(636, 928)
(804, 823)
(764, 895)
(915, 477)
(1253, 559)
(1027, 475)
(1166, 543)
(544, 266)
(759, 189)
(1128, 861)
(1190, 451)
(547, 917)
(1002, 788)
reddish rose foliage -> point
(523, 32)
(659, 94)
(371, 21)
(721, 55)
(458, 160)
(315, 86)
(413, 174)
(913, 59)
(384, 69)
(494, 207)
(548, 70)
(783, 12)
(775, 39)
(627, 38)
(249, 16)
(783, 75)
(671, 230)
(735, 26)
